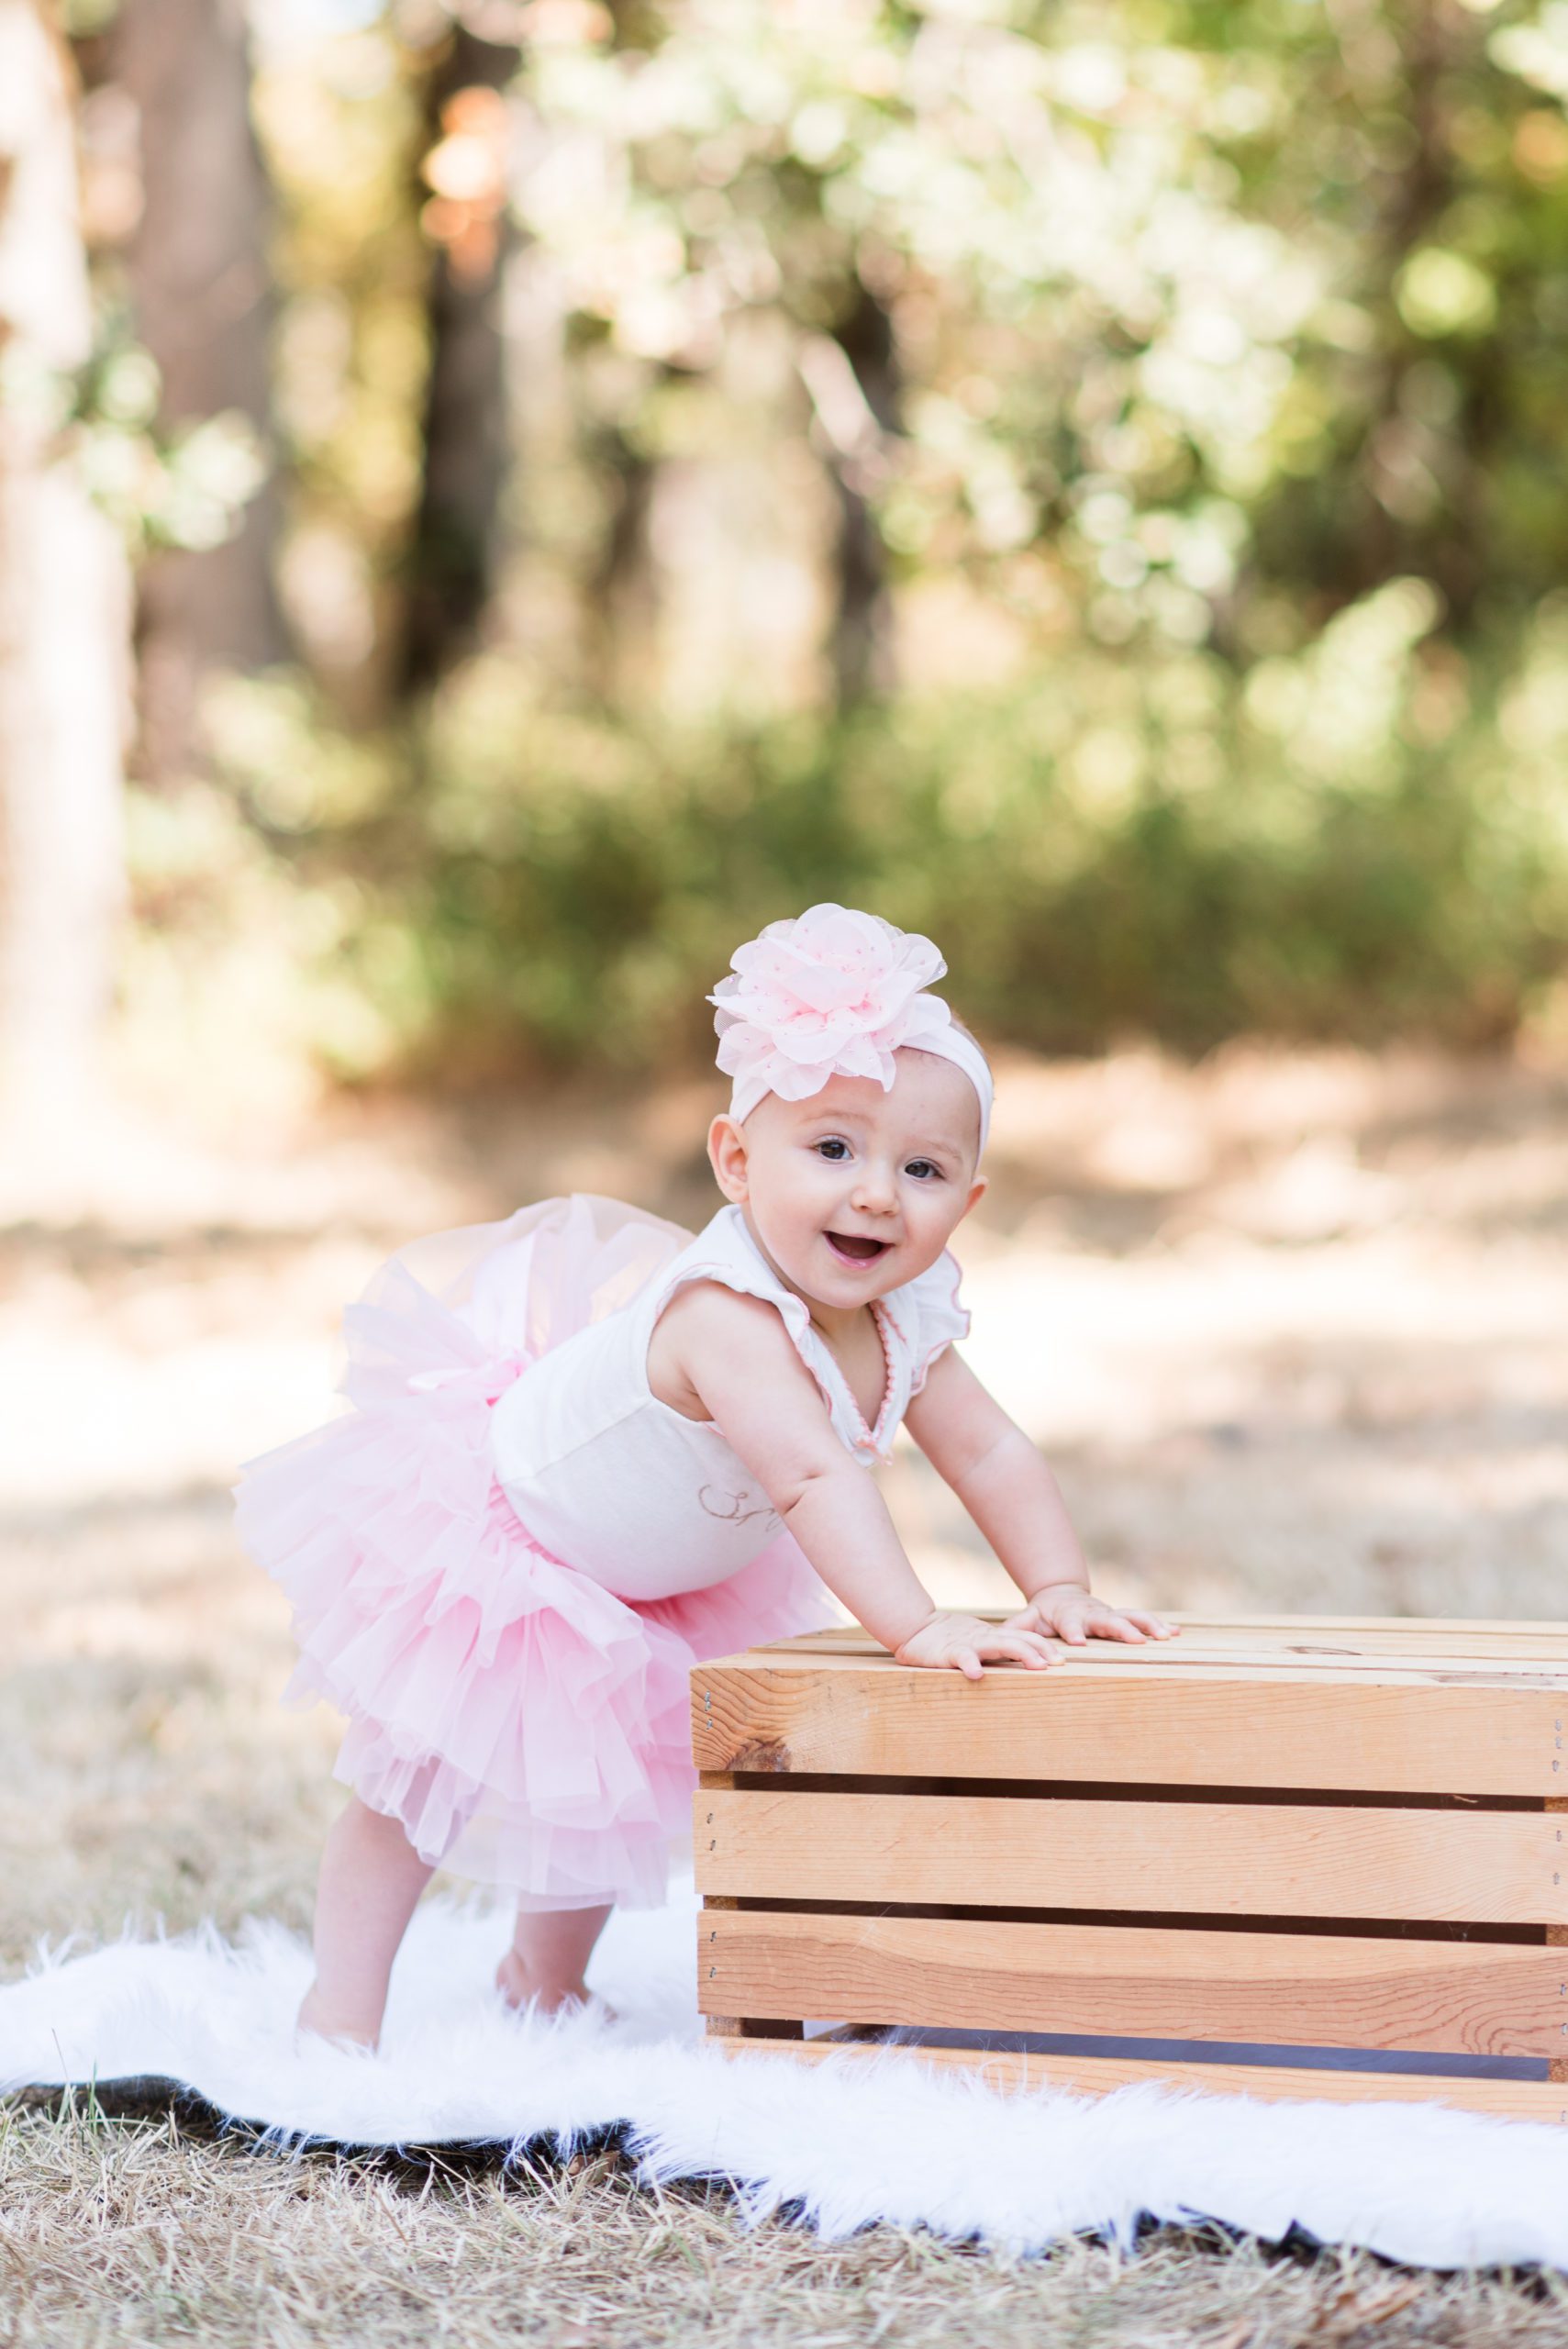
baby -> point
(588, 1451)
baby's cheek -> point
(811, 1198)
(931, 1217)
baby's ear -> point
(727, 1156)
(977, 1191)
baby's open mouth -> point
(853, 1249)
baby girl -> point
(588, 1451)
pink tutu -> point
(527, 1727)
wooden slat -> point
(1487, 1626)
(1102, 1660)
(1224, 1859)
(1328, 1655)
(1553, 1626)
(1400, 1735)
(1284, 1989)
(1486, 1635)
(1539, 2100)
(1417, 1638)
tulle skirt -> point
(527, 1727)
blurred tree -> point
(852, 377)
(1094, 471)
(201, 297)
(1223, 319)
(1025, 307)
(622, 592)
(343, 124)
(452, 560)
(64, 606)
(1417, 433)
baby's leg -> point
(371, 1878)
(551, 1947)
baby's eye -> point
(833, 1148)
(924, 1169)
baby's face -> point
(857, 1190)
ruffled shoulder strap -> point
(920, 1319)
(927, 1316)
(725, 1251)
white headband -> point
(834, 993)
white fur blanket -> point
(883, 2138)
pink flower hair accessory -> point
(834, 993)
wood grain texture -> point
(1284, 1989)
(1342, 1640)
(1119, 1661)
(1098, 2075)
(1257, 1658)
(1224, 1859)
(1126, 1724)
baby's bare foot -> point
(318, 2019)
(520, 1988)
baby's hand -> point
(1075, 1615)
(961, 1642)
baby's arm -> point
(1015, 1500)
(738, 1358)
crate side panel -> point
(1222, 1859)
(1135, 1982)
(1399, 1736)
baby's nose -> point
(875, 1191)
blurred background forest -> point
(498, 499)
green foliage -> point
(185, 487)
(1191, 376)
(1202, 322)
(1196, 304)
(1360, 841)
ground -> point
(1290, 1328)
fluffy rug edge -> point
(842, 2143)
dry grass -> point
(1292, 1333)
(115, 2234)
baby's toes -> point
(512, 1982)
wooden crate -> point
(1286, 1855)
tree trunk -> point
(854, 383)
(64, 611)
(623, 596)
(200, 293)
(458, 533)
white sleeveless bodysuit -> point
(647, 1502)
